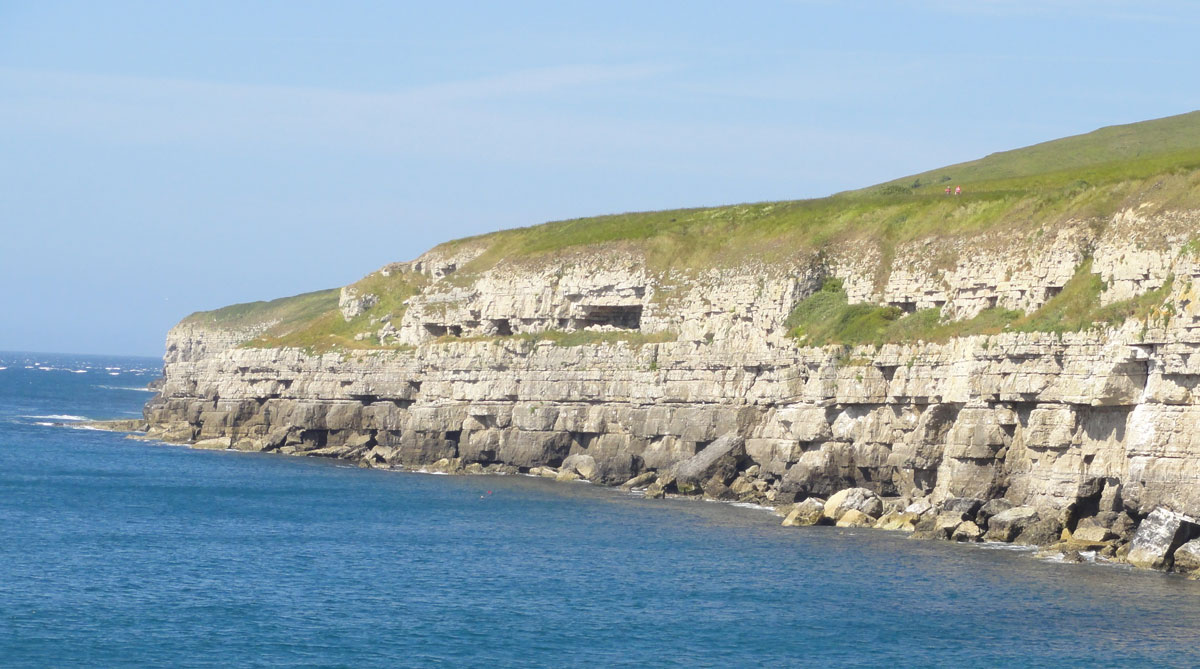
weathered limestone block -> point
(809, 512)
(1186, 558)
(1007, 525)
(1157, 537)
(857, 499)
(898, 520)
(855, 518)
(581, 464)
(718, 459)
(967, 531)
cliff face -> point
(1042, 419)
(1019, 351)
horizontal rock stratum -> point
(1032, 344)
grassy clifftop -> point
(1076, 177)
(1154, 164)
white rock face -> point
(1042, 419)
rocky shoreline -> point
(1102, 532)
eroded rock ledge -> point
(1083, 441)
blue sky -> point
(159, 158)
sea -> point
(123, 553)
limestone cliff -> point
(611, 361)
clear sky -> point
(158, 158)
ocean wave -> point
(138, 389)
(58, 416)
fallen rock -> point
(806, 513)
(581, 464)
(1157, 538)
(718, 459)
(990, 509)
(857, 499)
(638, 481)
(1187, 557)
(215, 444)
(1092, 533)
(968, 506)
(1007, 525)
(656, 490)
(898, 520)
(855, 518)
(919, 507)
(743, 485)
(946, 523)
(967, 531)
(1042, 532)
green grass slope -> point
(1090, 175)
(1118, 151)
(1021, 191)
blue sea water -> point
(116, 552)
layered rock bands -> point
(1090, 438)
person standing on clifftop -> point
(947, 190)
(958, 190)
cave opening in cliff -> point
(623, 316)
(502, 327)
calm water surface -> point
(121, 553)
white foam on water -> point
(140, 390)
(750, 505)
(114, 373)
(79, 371)
(3, 368)
(1001, 546)
(58, 416)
